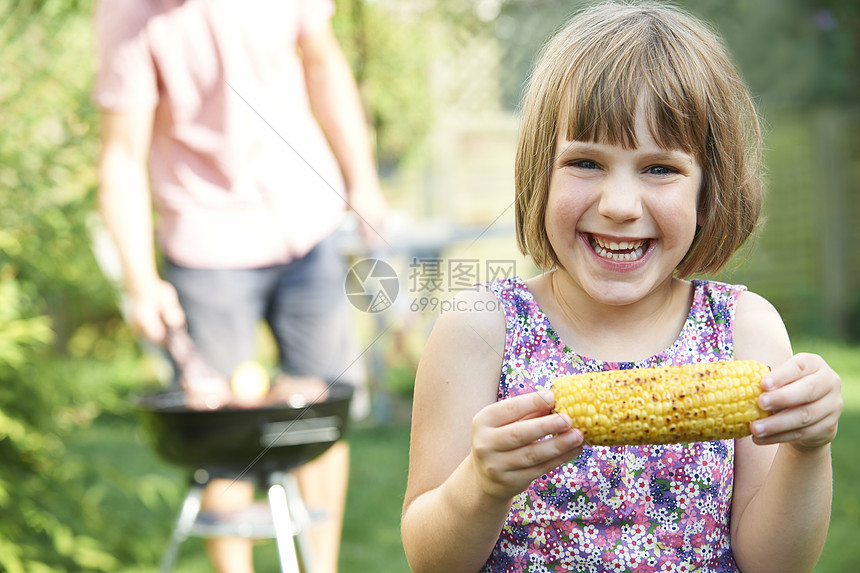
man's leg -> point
(229, 554)
(323, 483)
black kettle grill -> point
(258, 440)
(265, 443)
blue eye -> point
(661, 170)
(583, 164)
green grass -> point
(842, 551)
(140, 494)
(371, 534)
(139, 525)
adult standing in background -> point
(242, 125)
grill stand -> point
(291, 523)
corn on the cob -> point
(663, 405)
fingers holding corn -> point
(661, 405)
(805, 396)
(515, 441)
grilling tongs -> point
(205, 388)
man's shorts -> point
(303, 302)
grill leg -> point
(284, 528)
(184, 523)
(302, 520)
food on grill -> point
(663, 405)
(205, 388)
(250, 383)
(298, 391)
(277, 437)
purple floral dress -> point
(627, 508)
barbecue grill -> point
(262, 443)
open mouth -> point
(618, 251)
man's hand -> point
(371, 211)
(155, 310)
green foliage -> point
(19, 332)
(792, 52)
(44, 524)
(389, 54)
(50, 287)
(801, 53)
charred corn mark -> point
(663, 405)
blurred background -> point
(80, 490)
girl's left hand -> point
(805, 398)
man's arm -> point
(125, 203)
(337, 105)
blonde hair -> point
(588, 81)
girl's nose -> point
(620, 199)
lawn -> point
(379, 457)
(842, 551)
(119, 452)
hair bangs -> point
(600, 102)
(640, 66)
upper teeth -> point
(623, 251)
(611, 245)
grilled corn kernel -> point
(663, 405)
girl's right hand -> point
(515, 441)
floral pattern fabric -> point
(657, 508)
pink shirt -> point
(242, 175)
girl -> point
(637, 167)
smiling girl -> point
(637, 168)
